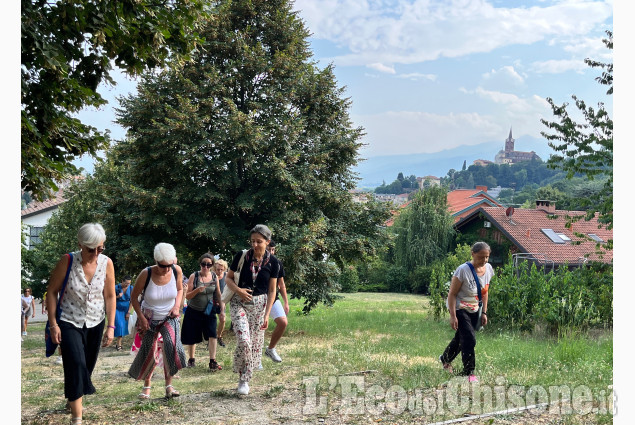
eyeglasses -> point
(208, 265)
(164, 266)
(99, 249)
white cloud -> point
(507, 73)
(418, 76)
(421, 30)
(402, 132)
(591, 47)
(559, 66)
(382, 68)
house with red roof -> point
(539, 235)
(463, 202)
(36, 214)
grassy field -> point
(369, 358)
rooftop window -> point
(555, 238)
(595, 237)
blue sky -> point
(428, 75)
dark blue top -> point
(123, 303)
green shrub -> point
(397, 279)
(349, 279)
(525, 296)
(419, 280)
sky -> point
(429, 75)
(424, 76)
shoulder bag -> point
(480, 296)
(50, 346)
(228, 294)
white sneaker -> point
(260, 367)
(243, 388)
(24, 333)
(271, 352)
(59, 360)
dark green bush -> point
(525, 297)
(349, 279)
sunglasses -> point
(164, 266)
(208, 265)
(99, 249)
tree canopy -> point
(68, 49)
(424, 229)
(251, 131)
(587, 147)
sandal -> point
(144, 396)
(170, 394)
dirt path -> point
(221, 405)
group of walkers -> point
(82, 284)
(89, 302)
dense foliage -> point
(68, 48)
(525, 297)
(251, 131)
(587, 147)
(424, 229)
(400, 185)
(515, 176)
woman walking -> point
(28, 309)
(87, 302)
(122, 315)
(220, 268)
(199, 322)
(255, 288)
(158, 314)
(464, 299)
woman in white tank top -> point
(158, 313)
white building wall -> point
(36, 220)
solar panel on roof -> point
(552, 235)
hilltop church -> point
(510, 156)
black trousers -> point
(80, 348)
(463, 342)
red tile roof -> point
(524, 230)
(35, 207)
(462, 202)
(395, 214)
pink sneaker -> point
(472, 378)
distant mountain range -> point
(375, 170)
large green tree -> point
(587, 147)
(251, 131)
(68, 49)
(423, 229)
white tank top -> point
(160, 299)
